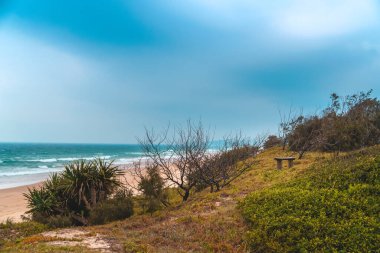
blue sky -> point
(99, 71)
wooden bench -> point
(280, 159)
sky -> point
(100, 71)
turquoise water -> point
(27, 163)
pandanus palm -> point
(45, 200)
(92, 181)
(40, 201)
(106, 176)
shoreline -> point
(13, 204)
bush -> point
(54, 221)
(14, 231)
(219, 169)
(333, 207)
(347, 124)
(272, 141)
(67, 198)
(118, 208)
(152, 187)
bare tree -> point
(288, 123)
(177, 155)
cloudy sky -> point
(99, 71)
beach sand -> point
(13, 203)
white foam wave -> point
(29, 171)
(105, 157)
(68, 159)
(50, 160)
(123, 161)
(134, 153)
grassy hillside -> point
(318, 204)
(333, 206)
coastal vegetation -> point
(82, 190)
(184, 198)
(348, 123)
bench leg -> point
(279, 164)
(290, 163)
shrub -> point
(347, 124)
(118, 208)
(14, 231)
(272, 141)
(333, 207)
(224, 166)
(54, 221)
(152, 187)
(68, 198)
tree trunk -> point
(186, 195)
(85, 201)
(83, 221)
(93, 196)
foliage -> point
(272, 141)
(333, 207)
(221, 168)
(73, 193)
(152, 187)
(347, 124)
(118, 208)
(91, 182)
(53, 221)
(306, 136)
(12, 231)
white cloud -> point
(324, 18)
(295, 18)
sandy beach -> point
(13, 203)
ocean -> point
(28, 163)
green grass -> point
(11, 232)
(332, 207)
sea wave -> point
(122, 161)
(105, 157)
(134, 153)
(29, 171)
(49, 160)
(68, 159)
